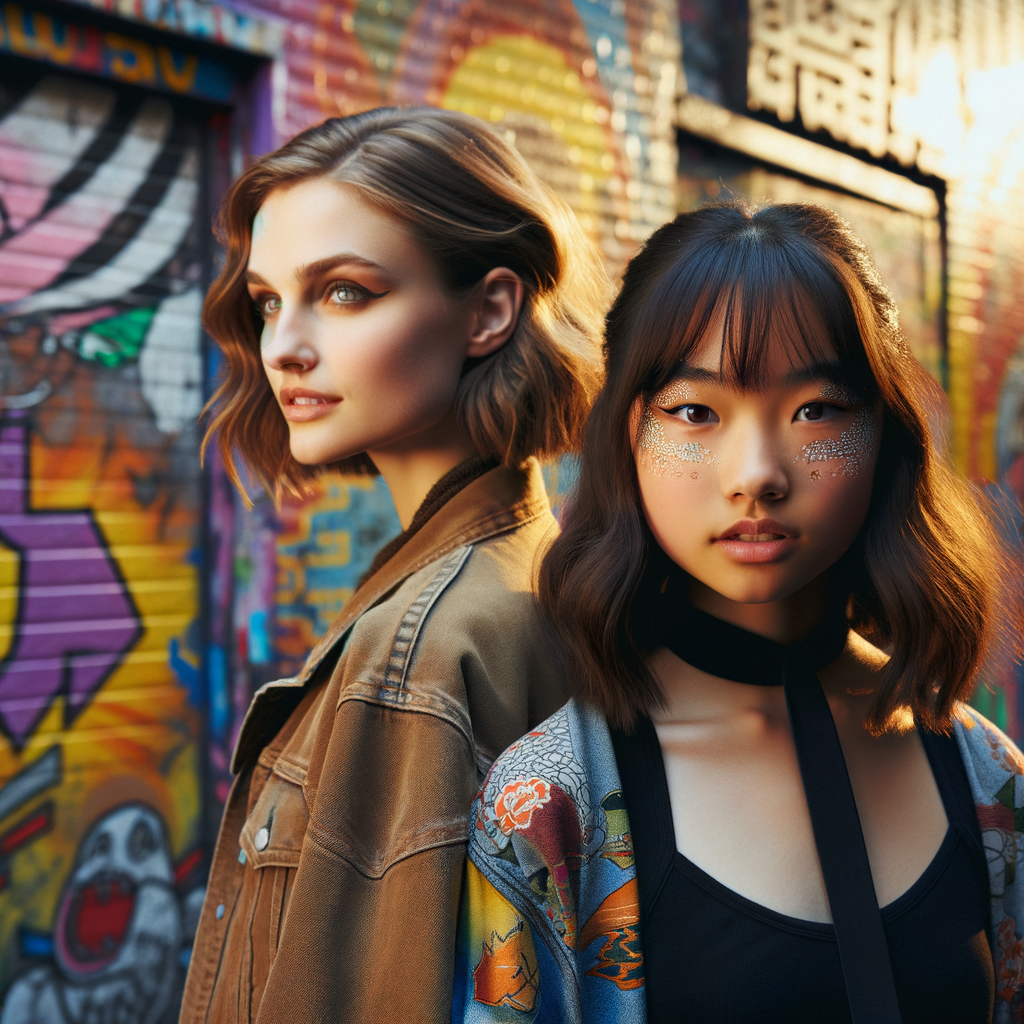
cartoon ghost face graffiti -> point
(119, 895)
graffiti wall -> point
(100, 781)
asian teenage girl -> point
(767, 801)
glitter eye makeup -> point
(676, 392)
(660, 454)
(852, 445)
(832, 392)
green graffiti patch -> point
(118, 339)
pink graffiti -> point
(42, 240)
(76, 619)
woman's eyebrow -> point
(829, 370)
(697, 374)
(310, 271)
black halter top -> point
(713, 955)
(729, 652)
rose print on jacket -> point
(517, 801)
(1009, 962)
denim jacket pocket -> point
(273, 833)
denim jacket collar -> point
(500, 500)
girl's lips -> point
(756, 552)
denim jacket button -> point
(261, 839)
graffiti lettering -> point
(112, 54)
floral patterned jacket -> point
(549, 921)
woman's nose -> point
(285, 343)
(754, 467)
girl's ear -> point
(498, 299)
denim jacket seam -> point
(436, 836)
(408, 632)
(411, 702)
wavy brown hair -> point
(924, 573)
(473, 204)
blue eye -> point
(344, 294)
(267, 305)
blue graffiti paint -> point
(34, 944)
(260, 652)
(607, 32)
(220, 700)
(188, 675)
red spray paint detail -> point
(27, 829)
(101, 916)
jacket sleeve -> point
(498, 974)
(995, 773)
(510, 965)
(370, 928)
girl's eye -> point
(696, 414)
(268, 305)
(813, 412)
(343, 294)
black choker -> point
(729, 652)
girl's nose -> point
(754, 467)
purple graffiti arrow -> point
(76, 619)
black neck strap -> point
(729, 652)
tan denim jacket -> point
(334, 889)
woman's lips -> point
(300, 405)
(749, 548)
(756, 541)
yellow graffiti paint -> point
(10, 568)
(527, 88)
(179, 80)
(132, 60)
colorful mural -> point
(101, 858)
(217, 22)
(585, 89)
(119, 700)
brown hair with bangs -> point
(473, 204)
(925, 571)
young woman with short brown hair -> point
(400, 295)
